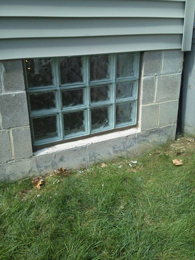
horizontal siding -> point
(60, 27)
(29, 48)
(59, 8)
(80, 27)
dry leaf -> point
(62, 170)
(103, 165)
(177, 162)
(38, 182)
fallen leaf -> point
(38, 182)
(177, 162)
(62, 170)
(103, 165)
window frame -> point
(60, 110)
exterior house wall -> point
(159, 95)
(160, 29)
(40, 28)
(188, 102)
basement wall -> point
(159, 90)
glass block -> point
(100, 118)
(99, 67)
(74, 123)
(42, 101)
(72, 97)
(100, 93)
(39, 72)
(71, 70)
(124, 90)
(125, 65)
(45, 127)
(124, 113)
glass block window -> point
(72, 97)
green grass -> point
(115, 212)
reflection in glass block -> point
(74, 123)
(100, 94)
(45, 127)
(72, 97)
(125, 66)
(71, 70)
(42, 101)
(99, 67)
(39, 72)
(124, 113)
(99, 118)
(124, 90)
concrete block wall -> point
(15, 138)
(160, 80)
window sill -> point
(88, 141)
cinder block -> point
(13, 110)
(152, 63)
(168, 113)
(5, 148)
(2, 69)
(22, 142)
(147, 140)
(168, 87)
(68, 158)
(108, 149)
(149, 117)
(15, 170)
(148, 90)
(167, 133)
(172, 62)
(13, 77)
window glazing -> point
(71, 97)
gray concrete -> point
(147, 140)
(148, 90)
(168, 113)
(13, 110)
(5, 148)
(168, 87)
(13, 78)
(149, 118)
(15, 170)
(172, 62)
(85, 156)
(22, 142)
(152, 63)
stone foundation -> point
(160, 81)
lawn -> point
(116, 210)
